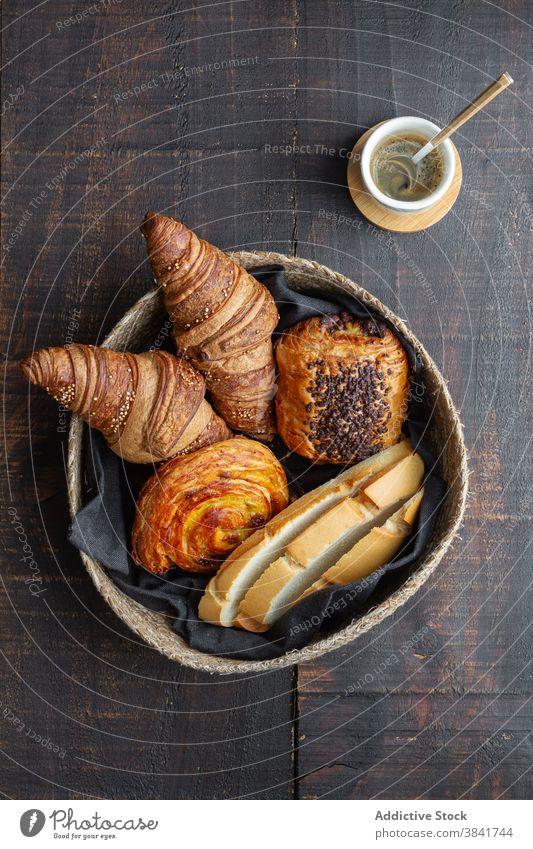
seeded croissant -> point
(149, 406)
(223, 322)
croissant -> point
(195, 510)
(343, 388)
(148, 406)
(223, 322)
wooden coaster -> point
(388, 219)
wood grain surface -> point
(238, 117)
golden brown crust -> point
(223, 322)
(342, 390)
(148, 406)
(195, 510)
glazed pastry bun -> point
(343, 388)
(196, 509)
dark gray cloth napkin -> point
(102, 528)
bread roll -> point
(196, 509)
(373, 551)
(225, 591)
(326, 542)
(342, 390)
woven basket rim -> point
(154, 628)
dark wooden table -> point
(111, 108)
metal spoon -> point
(408, 164)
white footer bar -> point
(261, 824)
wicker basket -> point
(136, 330)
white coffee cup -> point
(399, 127)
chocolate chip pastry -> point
(343, 388)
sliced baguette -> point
(325, 542)
(224, 593)
(374, 550)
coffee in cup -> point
(397, 177)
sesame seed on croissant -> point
(149, 406)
